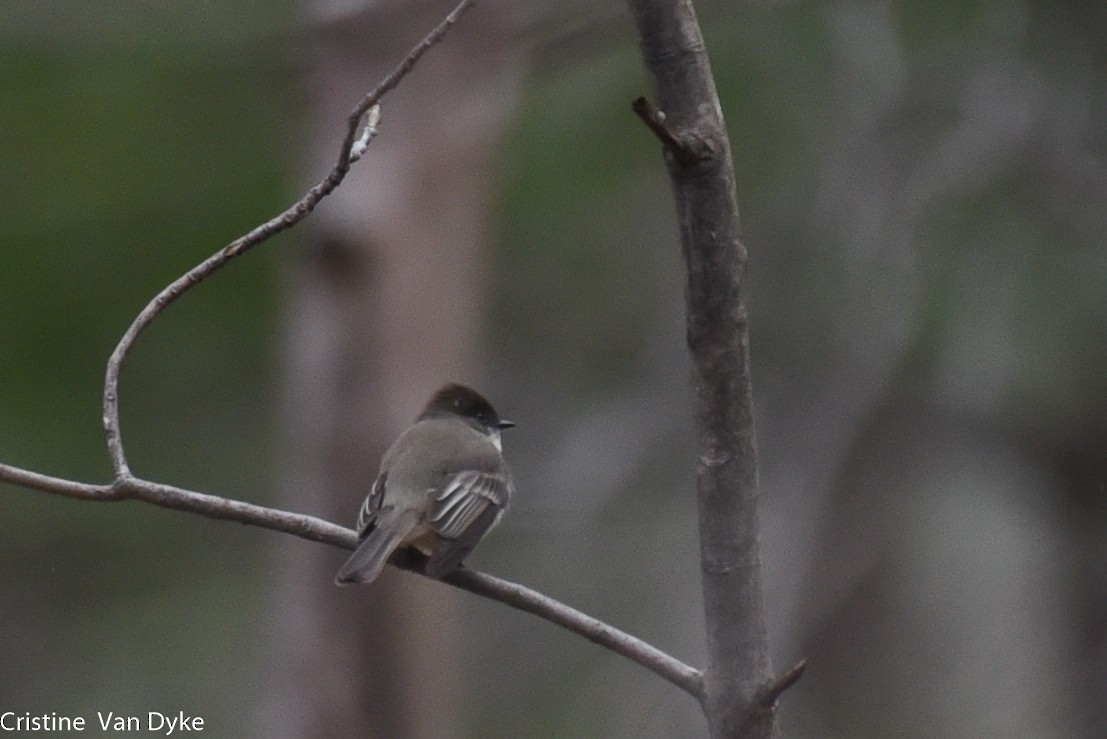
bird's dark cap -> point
(459, 400)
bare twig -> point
(351, 150)
(47, 484)
(684, 677)
(314, 529)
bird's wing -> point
(372, 505)
(462, 512)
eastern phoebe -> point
(442, 486)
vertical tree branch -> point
(690, 126)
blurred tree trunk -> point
(384, 304)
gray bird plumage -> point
(443, 484)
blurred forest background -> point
(923, 189)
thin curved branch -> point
(227, 509)
(57, 485)
(511, 594)
(353, 146)
(688, 679)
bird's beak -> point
(504, 424)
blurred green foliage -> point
(126, 158)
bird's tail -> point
(367, 561)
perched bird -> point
(443, 485)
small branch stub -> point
(687, 150)
(771, 693)
(764, 702)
